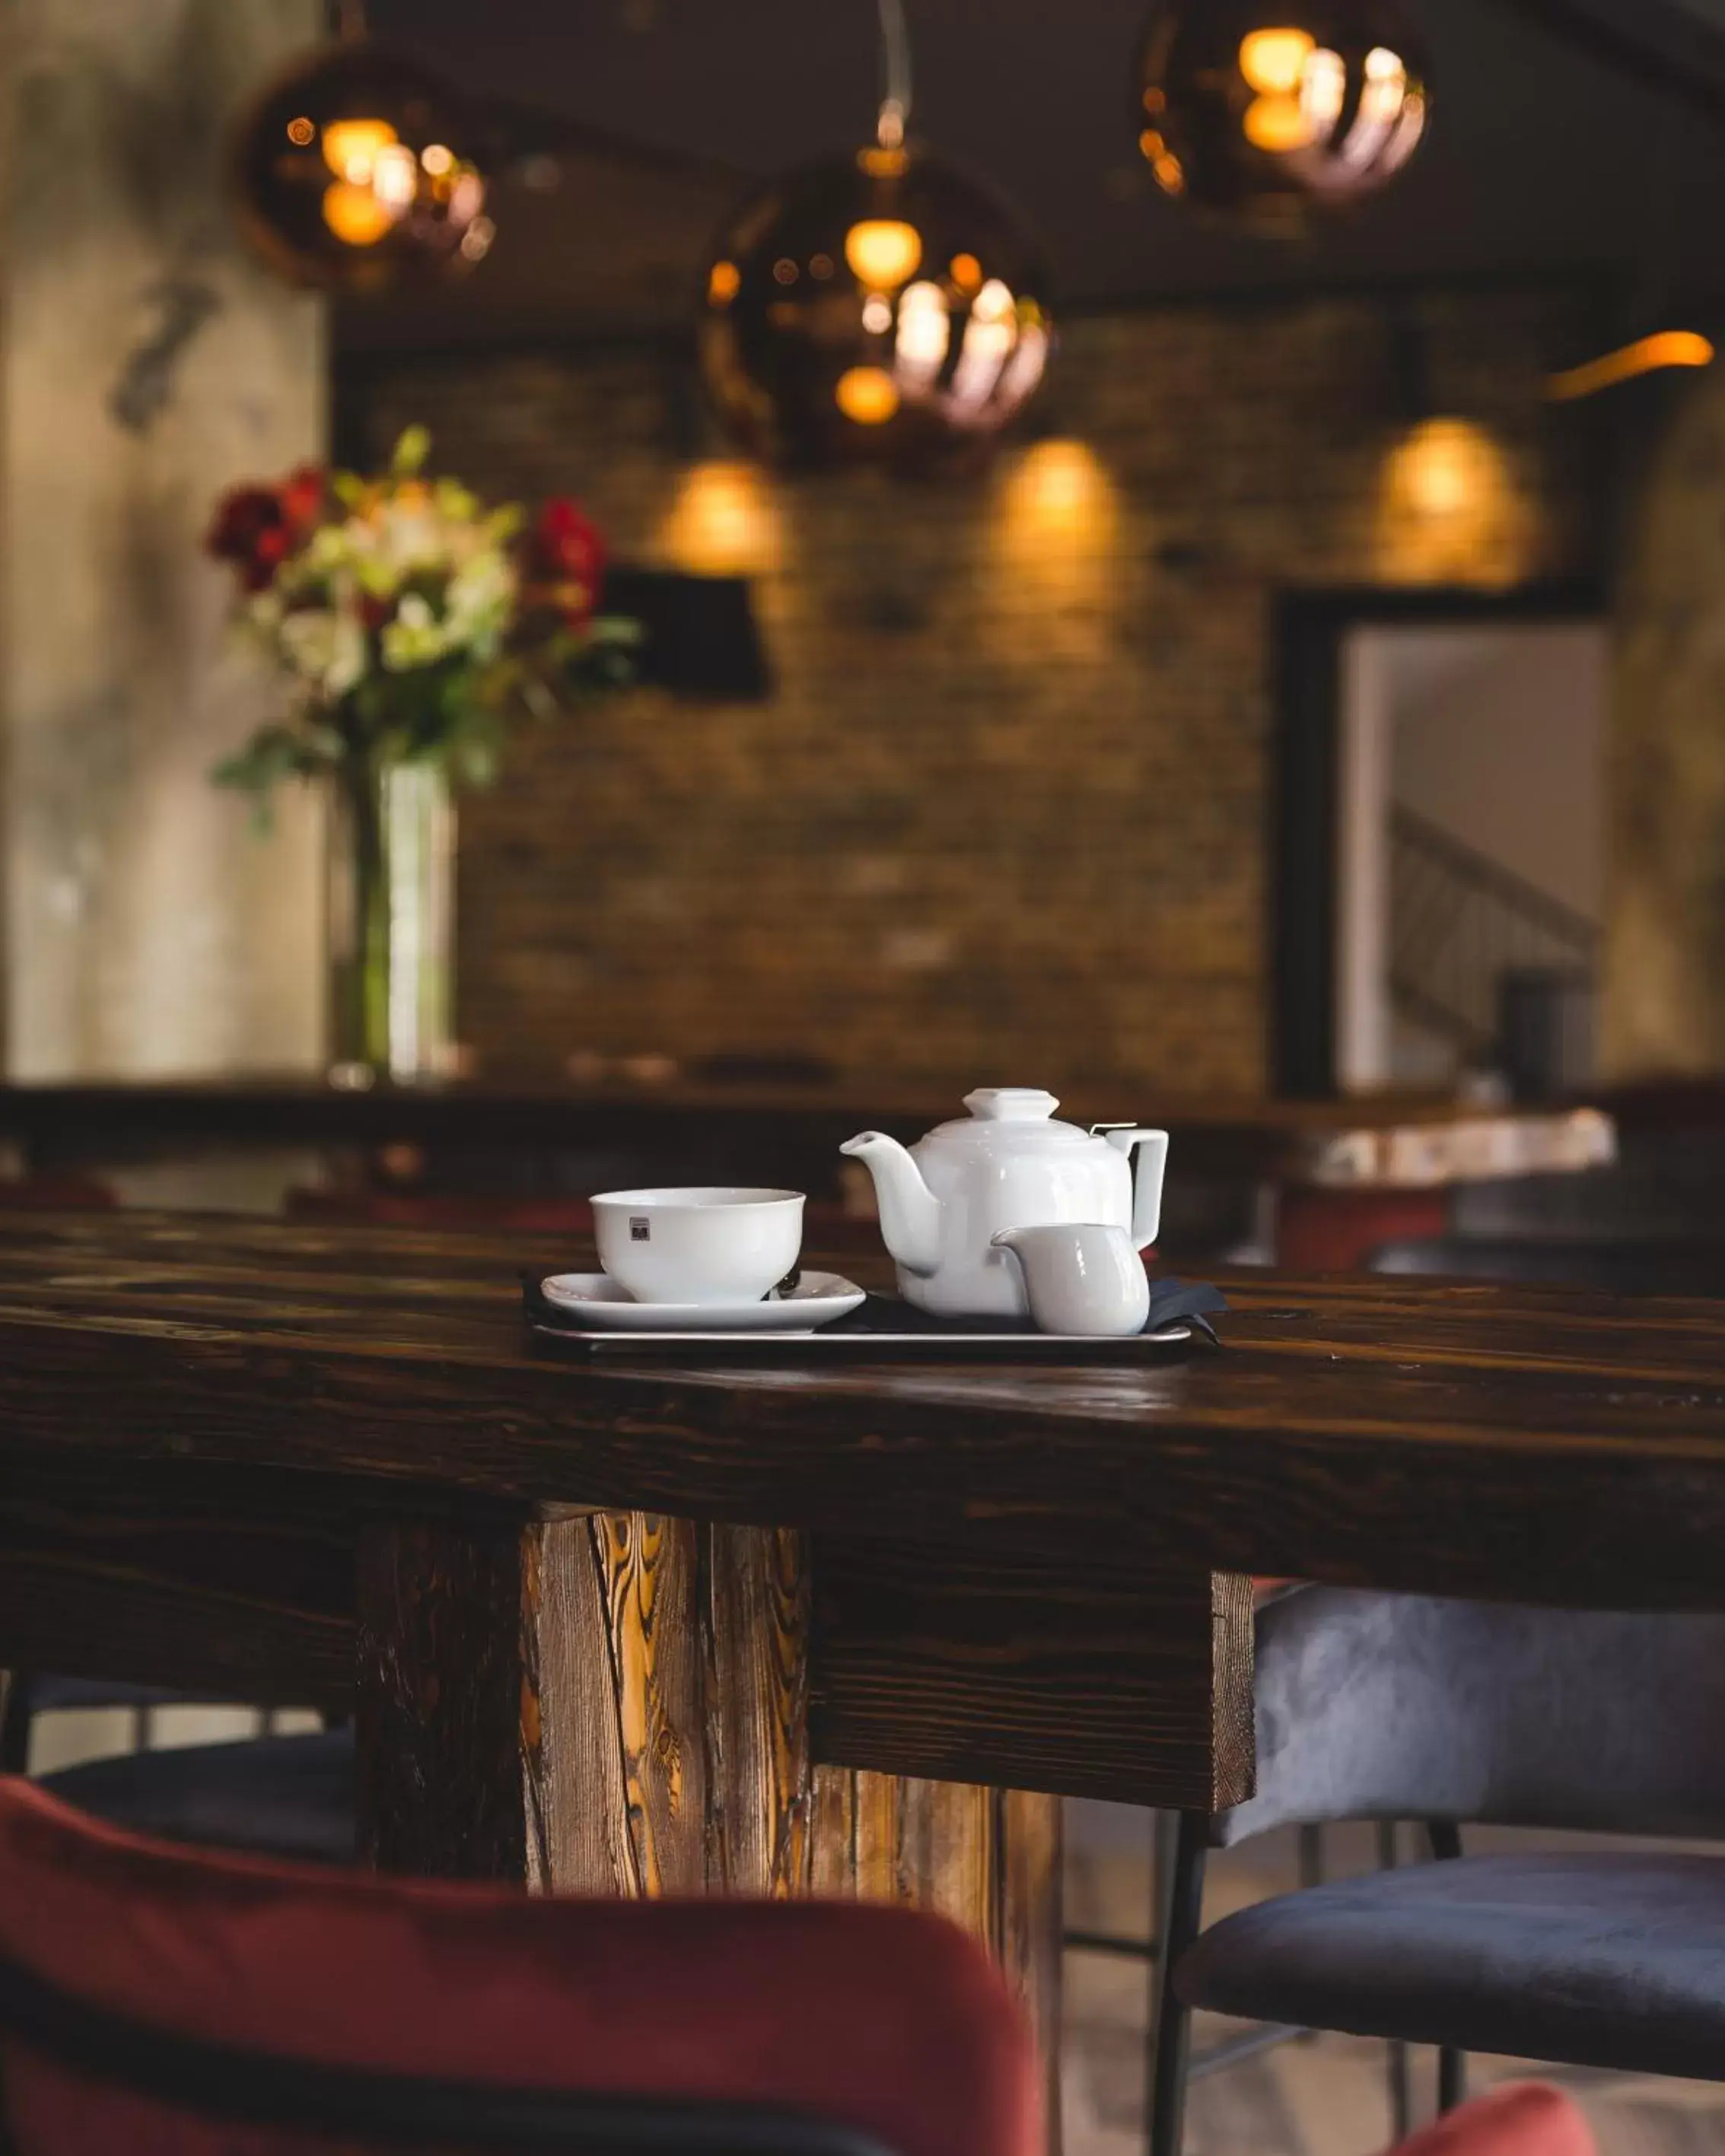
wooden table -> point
(633, 1630)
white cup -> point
(1086, 1278)
(698, 1245)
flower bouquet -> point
(415, 627)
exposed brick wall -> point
(1003, 817)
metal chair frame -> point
(1172, 2066)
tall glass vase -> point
(391, 862)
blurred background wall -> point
(147, 365)
(1008, 807)
(1664, 978)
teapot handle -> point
(1147, 1151)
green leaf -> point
(411, 452)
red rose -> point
(301, 496)
(257, 527)
(251, 531)
(566, 559)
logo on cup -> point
(640, 1231)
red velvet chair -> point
(1528, 2118)
(167, 2003)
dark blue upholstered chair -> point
(1391, 1708)
(289, 1797)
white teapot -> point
(1008, 1165)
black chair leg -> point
(1446, 1837)
(1401, 2095)
(1452, 2079)
(1173, 2033)
(15, 1728)
(1163, 1853)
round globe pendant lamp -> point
(354, 171)
(1272, 110)
(875, 307)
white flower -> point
(415, 638)
(325, 648)
(479, 602)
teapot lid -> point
(1007, 1118)
(1010, 1104)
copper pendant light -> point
(880, 307)
(354, 169)
(1274, 109)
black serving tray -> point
(887, 1330)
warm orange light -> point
(883, 160)
(1666, 348)
(1273, 61)
(868, 395)
(1061, 487)
(1452, 508)
(883, 251)
(302, 132)
(1277, 123)
(351, 146)
(723, 523)
(355, 215)
(438, 158)
(1170, 174)
(724, 282)
(1444, 466)
(967, 272)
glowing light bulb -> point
(356, 215)
(1324, 88)
(1277, 123)
(868, 395)
(924, 332)
(350, 147)
(1273, 61)
(395, 177)
(883, 251)
(724, 282)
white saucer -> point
(596, 1302)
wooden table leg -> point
(619, 1704)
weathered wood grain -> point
(439, 1708)
(618, 1705)
(959, 1662)
(619, 1778)
(1031, 1918)
(754, 1640)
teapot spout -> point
(910, 1212)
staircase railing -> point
(1460, 922)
